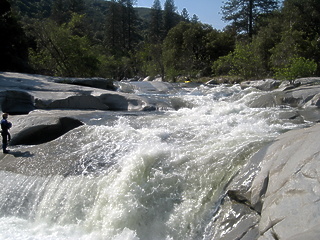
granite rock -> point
(280, 184)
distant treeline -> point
(113, 39)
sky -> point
(208, 11)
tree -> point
(121, 28)
(156, 23)
(39, 9)
(244, 14)
(242, 62)
(169, 16)
(195, 18)
(296, 68)
(129, 22)
(58, 12)
(62, 10)
(151, 60)
(190, 48)
(113, 34)
(185, 15)
(302, 24)
(60, 52)
(267, 39)
(303, 15)
(13, 41)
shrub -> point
(297, 67)
(244, 62)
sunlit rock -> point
(292, 194)
(72, 102)
(264, 85)
(22, 93)
(280, 183)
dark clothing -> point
(5, 126)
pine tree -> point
(185, 15)
(169, 16)
(130, 22)
(195, 18)
(245, 13)
(156, 24)
(113, 35)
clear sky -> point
(208, 11)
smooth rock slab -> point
(291, 204)
(281, 184)
(22, 93)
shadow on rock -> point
(17, 154)
(45, 133)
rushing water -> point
(148, 176)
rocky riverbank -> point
(275, 196)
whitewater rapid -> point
(142, 176)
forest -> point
(114, 39)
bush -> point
(297, 67)
(244, 62)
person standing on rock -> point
(5, 126)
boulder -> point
(45, 133)
(291, 195)
(280, 184)
(303, 96)
(299, 96)
(268, 99)
(314, 102)
(310, 114)
(16, 102)
(72, 102)
(263, 85)
(123, 102)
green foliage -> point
(108, 39)
(61, 53)
(268, 39)
(190, 48)
(150, 60)
(244, 14)
(38, 9)
(243, 62)
(297, 67)
(169, 17)
(156, 23)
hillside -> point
(95, 9)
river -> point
(142, 176)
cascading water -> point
(148, 176)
